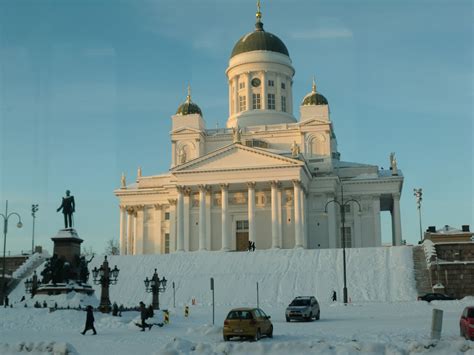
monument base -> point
(64, 288)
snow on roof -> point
(449, 230)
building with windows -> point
(267, 177)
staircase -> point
(26, 269)
(422, 274)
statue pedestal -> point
(67, 246)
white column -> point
(134, 233)
(172, 202)
(304, 227)
(186, 209)
(129, 230)
(248, 91)
(332, 223)
(278, 93)
(179, 220)
(264, 90)
(225, 217)
(236, 95)
(173, 153)
(356, 215)
(377, 237)
(202, 217)
(123, 230)
(289, 99)
(397, 224)
(230, 97)
(274, 197)
(158, 239)
(139, 230)
(207, 245)
(280, 217)
(251, 210)
(297, 217)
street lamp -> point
(31, 285)
(34, 209)
(105, 277)
(418, 193)
(6, 216)
(342, 205)
(155, 286)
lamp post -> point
(155, 286)
(6, 216)
(31, 285)
(342, 205)
(418, 193)
(34, 209)
(105, 277)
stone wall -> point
(457, 276)
(12, 263)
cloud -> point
(321, 33)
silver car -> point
(303, 308)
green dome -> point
(314, 98)
(259, 40)
(188, 107)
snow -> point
(383, 316)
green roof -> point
(314, 98)
(259, 40)
(188, 108)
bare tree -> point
(112, 247)
(88, 252)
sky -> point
(87, 90)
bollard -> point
(186, 311)
(436, 324)
(193, 301)
(166, 316)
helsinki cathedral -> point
(269, 177)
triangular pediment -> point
(237, 157)
(182, 130)
(314, 122)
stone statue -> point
(393, 164)
(182, 155)
(123, 183)
(236, 134)
(69, 207)
(295, 149)
(139, 172)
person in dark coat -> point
(144, 316)
(334, 296)
(5, 303)
(89, 321)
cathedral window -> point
(271, 83)
(271, 101)
(167, 216)
(283, 86)
(242, 103)
(167, 243)
(242, 85)
(283, 103)
(256, 102)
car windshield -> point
(470, 313)
(299, 303)
(240, 315)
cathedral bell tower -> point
(260, 76)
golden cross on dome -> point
(313, 88)
(259, 13)
(188, 98)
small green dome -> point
(259, 40)
(188, 107)
(314, 98)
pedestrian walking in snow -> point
(115, 310)
(249, 248)
(144, 315)
(253, 246)
(334, 296)
(89, 321)
(5, 304)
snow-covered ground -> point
(382, 318)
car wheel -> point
(270, 333)
(287, 319)
(257, 335)
(318, 315)
(461, 332)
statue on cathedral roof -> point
(393, 164)
(237, 134)
(295, 149)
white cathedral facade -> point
(268, 177)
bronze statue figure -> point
(69, 207)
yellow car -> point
(247, 323)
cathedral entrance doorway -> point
(242, 235)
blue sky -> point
(87, 89)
